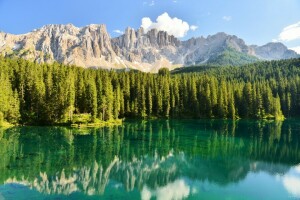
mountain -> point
(92, 46)
(274, 51)
(88, 46)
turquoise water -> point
(174, 159)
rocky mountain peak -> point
(58, 29)
(218, 35)
(92, 46)
(140, 47)
(276, 45)
(140, 31)
(274, 51)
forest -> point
(46, 94)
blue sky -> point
(256, 21)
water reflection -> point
(291, 181)
(156, 159)
(178, 189)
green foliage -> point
(34, 93)
(191, 69)
(9, 100)
(83, 118)
(1, 118)
(230, 144)
(232, 57)
(164, 72)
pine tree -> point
(149, 102)
(91, 94)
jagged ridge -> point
(92, 46)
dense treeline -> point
(34, 93)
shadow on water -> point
(146, 155)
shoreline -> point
(119, 122)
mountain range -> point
(92, 46)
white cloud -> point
(292, 185)
(164, 22)
(118, 31)
(193, 27)
(297, 49)
(297, 168)
(291, 181)
(147, 3)
(152, 3)
(227, 18)
(146, 193)
(289, 33)
(176, 190)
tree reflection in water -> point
(162, 159)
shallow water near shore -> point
(159, 159)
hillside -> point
(33, 93)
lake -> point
(160, 159)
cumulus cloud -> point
(291, 181)
(292, 184)
(118, 31)
(176, 190)
(193, 27)
(296, 49)
(289, 33)
(297, 169)
(227, 18)
(164, 22)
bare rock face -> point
(92, 46)
(200, 50)
(88, 46)
(274, 51)
(148, 48)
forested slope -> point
(34, 93)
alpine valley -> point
(92, 46)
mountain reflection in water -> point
(160, 159)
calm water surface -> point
(186, 159)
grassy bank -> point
(5, 124)
(86, 120)
(77, 121)
(98, 124)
